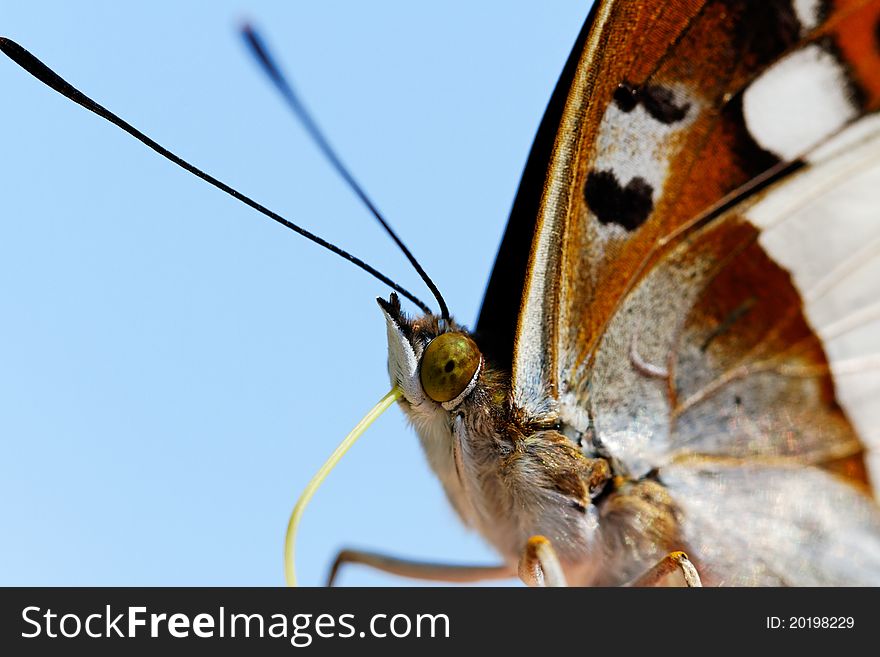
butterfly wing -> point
(689, 308)
(741, 421)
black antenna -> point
(261, 53)
(47, 76)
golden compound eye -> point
(448, 365)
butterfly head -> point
(434, 362)
(479, 447)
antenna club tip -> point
(246, 28)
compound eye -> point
(448, 365)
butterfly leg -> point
(539, 565)
(427, 570)
(672, 562)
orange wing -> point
(670, 133)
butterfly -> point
(678, 347)
(649, 373)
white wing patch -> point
(801, 100)
(823, 226)
(634, 144)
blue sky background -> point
(173, 367)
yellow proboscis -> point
(296, 515)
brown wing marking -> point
(755, 382)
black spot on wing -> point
(767, 27)
(751, 158)
(658, 101)
(877, 35)
(823, 10)
(626, 97)
(627, 207)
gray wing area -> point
(754, 525)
